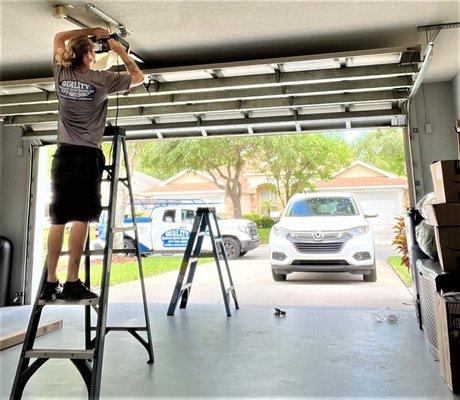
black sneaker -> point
(50, 291)
(76, 291)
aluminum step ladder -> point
(204, 224)
(88, 361)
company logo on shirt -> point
(75, 90)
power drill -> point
(102, 45)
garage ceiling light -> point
(371, 106)
(321, 110)
(375, 59)
(311, 65)
(217, 116)
(175, 118)
(184, 75)
(19, 90)
(247, 70)
(271, 113)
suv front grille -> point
(324, 247)
(319, 262)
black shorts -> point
(76, 174)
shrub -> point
(400, 240)
(260, 220)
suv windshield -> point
(322, 206)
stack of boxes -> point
(445, 216)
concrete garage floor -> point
(200, 353)
(255, 285)
(327, 347)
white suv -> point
(321, 232)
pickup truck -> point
(167, 227)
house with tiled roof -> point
(376, 190)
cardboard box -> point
(446, 181)
(444, 214)
(448, 335)
(448, 245)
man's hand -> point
(115, 46)
(100, 33)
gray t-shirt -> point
(83, 103)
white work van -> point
(166, 225)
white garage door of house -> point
(387, 203)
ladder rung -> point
(121, 328)
(101, 252)
(105, 207)
(64, 302)
(186, 286)
(124, 228)
(218, 239)
(60, 353)
(194, 259)
(229, 289)
(200, 234)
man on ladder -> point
(77, 171)
(78, 162)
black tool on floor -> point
(88, 361)
(204, 224)
(279, 312)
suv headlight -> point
(358, 231)
(245, 229)
(284, 233)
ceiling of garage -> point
(174, 33)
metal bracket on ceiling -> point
(156, 84)
(435, 29)
(298, 128)
(277, 76)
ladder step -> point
(121, 328)
(105, 207)
(229, 289)
(60, 353)
(119, 179)
(64, 302)
(194, 259)
(186, 286)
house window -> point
(267, 201)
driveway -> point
(255, 286)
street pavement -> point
(255, 285)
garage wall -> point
(14, 169)
(456, 91)
(433, 105)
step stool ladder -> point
(88, 361)
(204, 224)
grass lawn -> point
(264, 233)
(401, 270)
(125, 270)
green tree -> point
(159, 169)
(383, 148)
(295, 162)
(222, 158)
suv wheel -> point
(279, 277)
(372, 277)
(232, 248)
